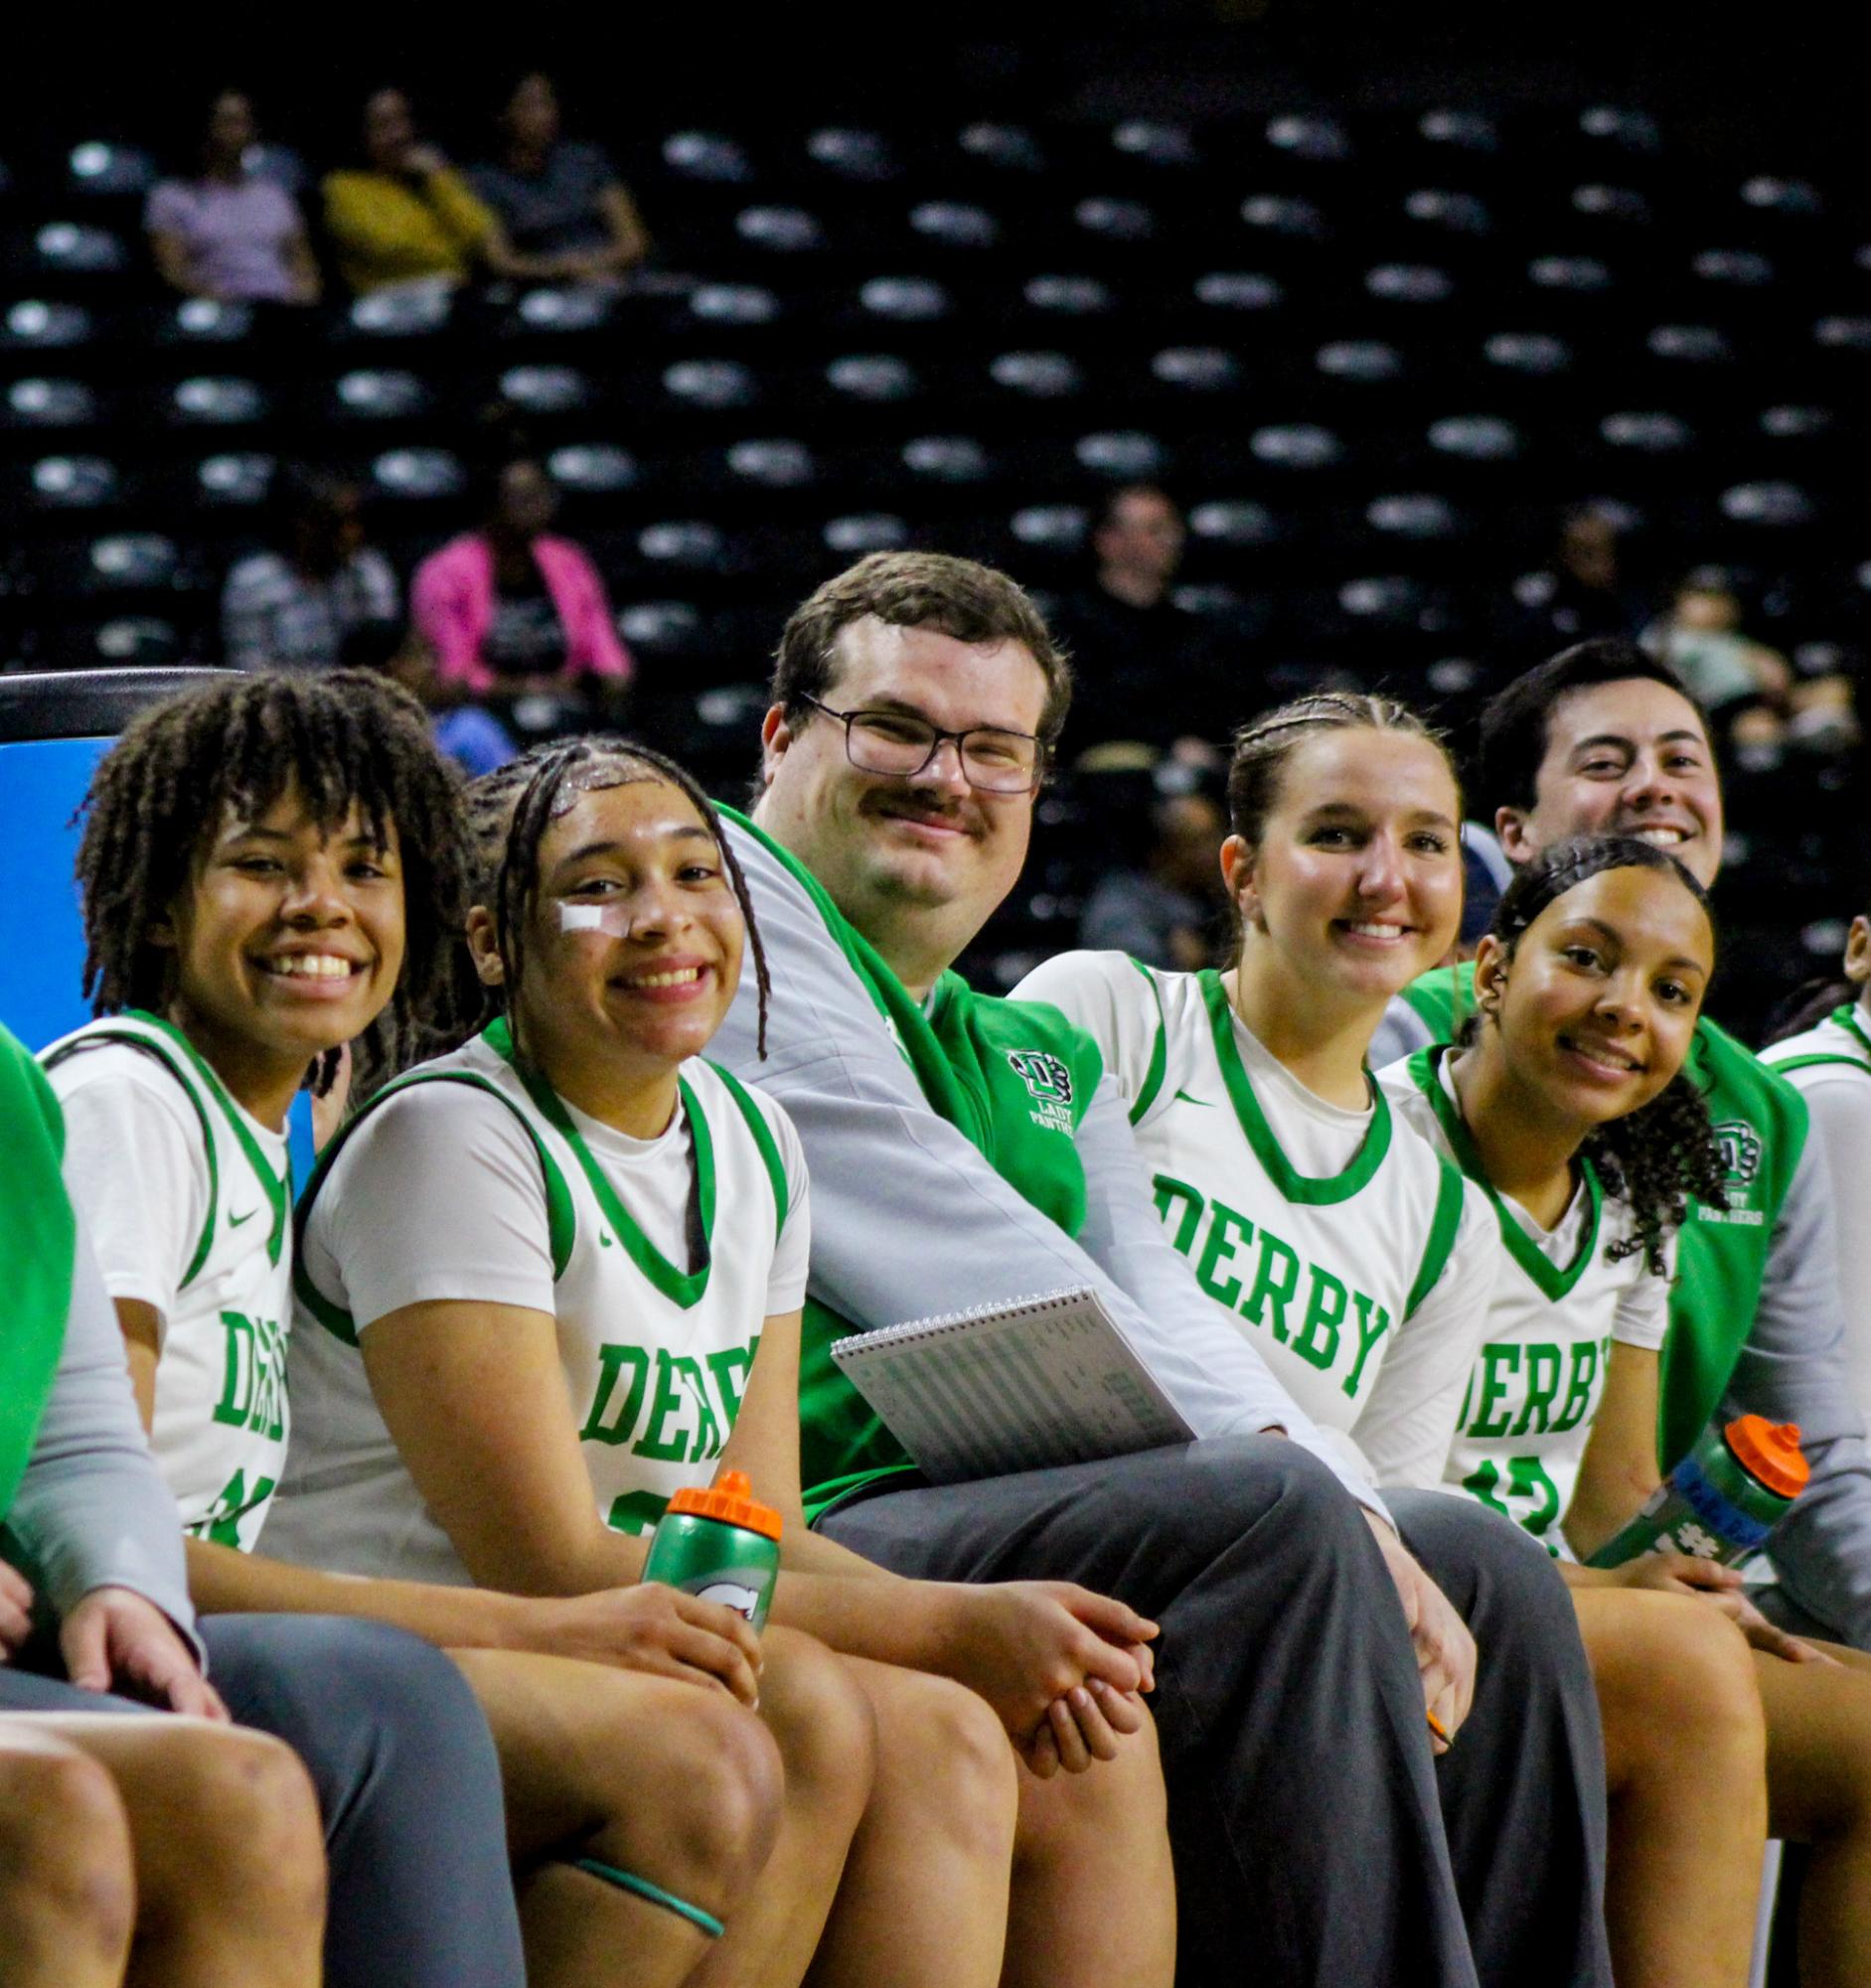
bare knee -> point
(822, 1720)
(716, 1820)
(947, 1744)
(1681, 1687)
(67, 1885)
(248, 1812)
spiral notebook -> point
(1044, 1380)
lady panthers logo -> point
(1050, 1084)
(1741, 1149)
(1046, 1077)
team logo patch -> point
(1742, 1151)
(1050, 1084)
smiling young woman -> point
(1335, 1239)
(1569, 1104)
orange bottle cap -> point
(730, 1501)
(1770, 1452)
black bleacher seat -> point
(849, 153)
(238, 480)
(872, 377)
(418, 476)
(78, 249)
(1002, 148)
(76, 482)
(547, 390)
(205, 321)
(707, 156)
(46, 325)
(783, 230)
(35, 402)
(217, 400)
(379, 394)
(710, 383)
(401, 313)
(950, 224)
(97, 167)
(588, 469)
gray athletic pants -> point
(1315, 1839)
(408, 1782)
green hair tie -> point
(640, 1888)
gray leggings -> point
(408, 1782)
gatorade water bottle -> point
(718, 1544)
(1723, 1499)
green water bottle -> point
(719, 1544)
(1723, 1499)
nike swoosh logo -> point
(1188, 1100)
(604, 1239)
(234, 1221)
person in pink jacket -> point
(514, 616)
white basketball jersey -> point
(1840, 1040)
(1320, 1273)
(1539, 1373)
(221, 1425)
(656, 1360)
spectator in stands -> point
(515, 615)
(298, 609)
(1750, 692)
(1144, 668)
(228, 232)
(1164, 913)
(1582, 592)
(566, 216)
(406, 215)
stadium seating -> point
(1374, 356)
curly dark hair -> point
(1660, 1155)
(341, 738)
(511, 809)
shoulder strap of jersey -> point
(763, 1141)
(1442, 1228)
(562, 1218)
(158, 1052)
(1158, 1051)
(1846, 1019)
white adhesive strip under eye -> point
(610, 919)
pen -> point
(1438, 1728)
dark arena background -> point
(1451, 335)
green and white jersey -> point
(471, 1180)
(188, 1201)
(1560, 1301)
(1339, 1243)
(1828, 1066)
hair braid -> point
(511, 810)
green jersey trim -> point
(131, 1040)
(684, 1287)
(1444, 1226)
(1293, 1185)
(1158, 1051)
(1555, 1281)
(1847, 1020)
(762, 1135)
(561, 1219)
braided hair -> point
(511, 809)
(1659, 1156)
(1263, 747)
(339, 739)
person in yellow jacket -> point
(405, 215)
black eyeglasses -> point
(901, 743)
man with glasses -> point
(965, 1151)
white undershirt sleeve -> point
(792, 1256)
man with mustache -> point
(1603, 740)
(964, 1151)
